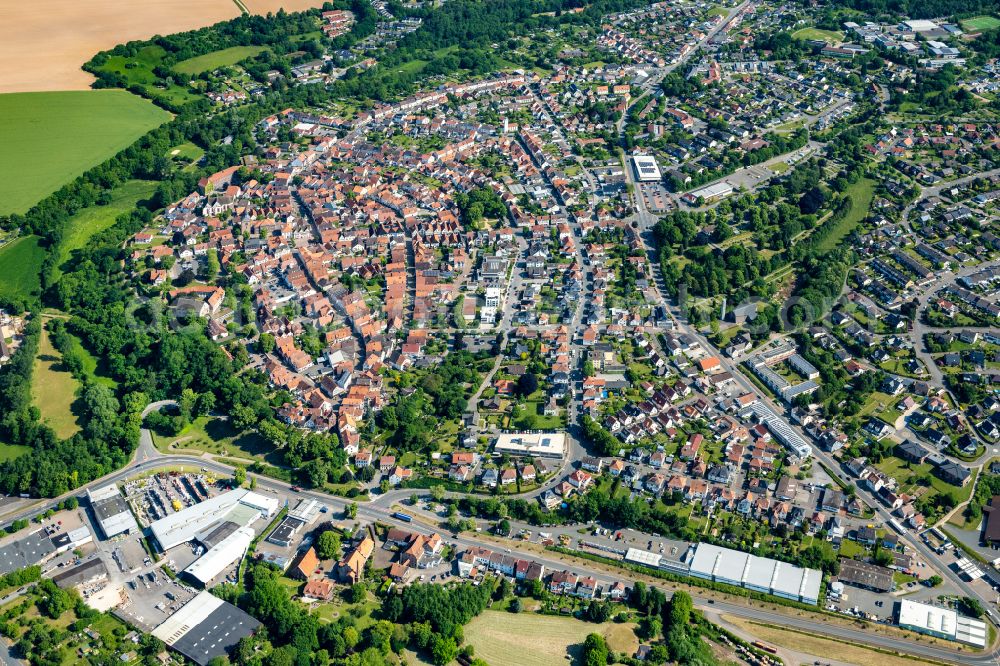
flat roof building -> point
(643, 557)
(921, 25)
(645, 168)
(540, 444)
(712, 192)
(941, 622)
(760, 574)
(32, 549)
(241, 507)
(113, 514)
(205, 627)
(230, 549)
(304, 513)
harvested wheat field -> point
(265, 6)
(44, 43)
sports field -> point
(20, 265)
(216, 59)
(980, 23)
(53, 390)
(50, 138)
(89, 221)
(496, 635)
(821, 35)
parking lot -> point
(656, 197)
(151, 598)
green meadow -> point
(216, 59)
(93, 220)
(20, 267)
(49, 138)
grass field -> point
(20, 266)
(217, 437)
(861, 193)
(980, 23)
(53, 389)
(52, 137)
(11, 451)
(817, 34)
(93, 220)
(216, 59)
(91, 367)
(185, 152)
(822, 647)
(497, 635)
(138, 71)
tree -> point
(444, 650)
(595, 651)
(328, 545)
(351, 637)
(358, 593)
(935, 580)
(527, 384)
(239, 475)
(438, 493)
(351, 510)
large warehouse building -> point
(941, 622)
(205, 627)
(221, 528)
(240, 507)
(759, 574)
(111, 511)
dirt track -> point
(43, 43)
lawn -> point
(186, 152)
(819, 35)
(919, 480)
(980, 23)
(91, 367)
(20, 266)
(11, 451)
(497, 635)
(216, 59)
(217, 437)
(91, 221)
(138, 70)
(849, 549)
(53, 389)
(861, 194)
(52, 137)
